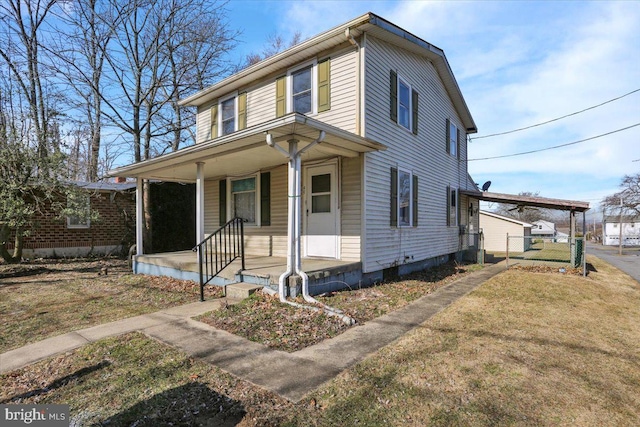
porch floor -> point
(268, 267)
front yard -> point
(531, 348)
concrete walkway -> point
(290, 375)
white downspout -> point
(294, 258)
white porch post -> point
(199, 202)
(139, 217)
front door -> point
(321, 211)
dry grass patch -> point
(49, 297)
(526, 348)
(133, 380)
(264, 319)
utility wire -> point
(555, 146)
(556, 119)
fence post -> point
(507, 250)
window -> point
(305, 89)
(321, 193)
(452, 206)
(228, 116)
(248, 198)
(404, 198)
(453, 136)
(82, 208)
(243, 199)
(301, 91)
(403, 103)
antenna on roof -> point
(486, 186)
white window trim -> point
(453, 137)
(233, 96)
(404, 82)
(314, 86)
(256, 176)
(81, 226)
(400, 171)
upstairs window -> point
(403, 105)
(228, 116)
(301, 83)
(453, 139)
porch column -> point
(572, 236)
(199, 202)
(139, 217)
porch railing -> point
(219, 250)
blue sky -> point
(518, 63)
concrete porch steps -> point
(241, 290)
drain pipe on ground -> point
(294, 259)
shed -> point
(495, 229)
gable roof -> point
(504, 218)
(370, 23)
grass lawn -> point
(48, 298)
(527, 348)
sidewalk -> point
(290, 375)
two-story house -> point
(350, 146)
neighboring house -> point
(496, 228)
(543, 229)
(376, 127)
(630, 231)
(113, 232)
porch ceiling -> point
(246, 151)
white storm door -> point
(321, 211)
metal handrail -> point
(220, 249)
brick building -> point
(112, 233)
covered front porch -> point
(324, 274)
(258, 176)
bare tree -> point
(627, 200)
(22, 26)
(276, 43)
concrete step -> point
(241, 290)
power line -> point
(555, 146)
(556, 119)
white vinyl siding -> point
(344, 80)
(422, 154)
(351, 208)
(265, 240)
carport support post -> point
(584, 243)
(139, 217)
(572, 236)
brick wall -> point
(115, 226)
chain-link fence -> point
(532, 250)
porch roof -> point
(246, 151)
(540, 202)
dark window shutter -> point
(394, 197)
(281, 98)
(393, 96)
(265, 198)
(324, 85)
(415, 201)
(448, 199)
(448, 136)
(242, 111)
(458, 143)
(414, 107)
(223, 201)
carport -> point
(572, 206)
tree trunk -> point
(5, 231)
